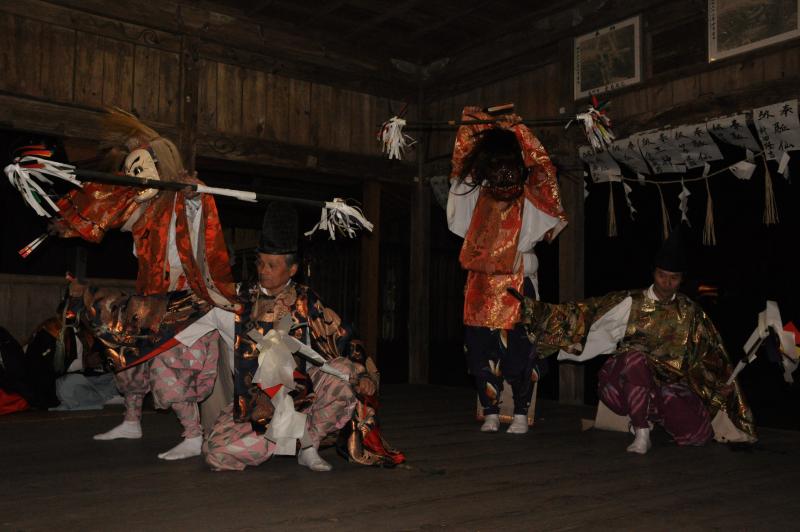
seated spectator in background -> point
(87, 385)
(62, 369)
(48, 352)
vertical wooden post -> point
(370, 269)
(419, 270)
(190, 90)
(570, 241)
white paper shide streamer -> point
(770, 319)
(276, 367)
(393, 141)
(683, 203)
(339, 217)
(24, 173)
(631, 208)
(597, 127)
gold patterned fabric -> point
(680, 341)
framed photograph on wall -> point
(736, 26)
(608, 58)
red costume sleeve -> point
(94, 209)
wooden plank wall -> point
(63, 56)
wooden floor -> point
(54, 476)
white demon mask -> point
(140, 163)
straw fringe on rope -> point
(612, 215)
(709, 235)
(665, 223)
(770, 209)
(771, 215)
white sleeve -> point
(604, 334)
(460, 204)
(530, 264)
(535, 224)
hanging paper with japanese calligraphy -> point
(779, 130)
(602, 166)
(733, 130)
(626, 151)
(697, 146)
(661, 151)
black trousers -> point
(495, 355)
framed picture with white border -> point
(608, 58)
(737, 26)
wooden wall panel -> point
(229, 98)
(169, 80)
(8, 52)
(340, 119)
(320, 124)
(88, 70)
(117, 72)
(685, 90)
(146, 74)
(58, 63)
(254, 99)
(26, 72)
(299, 112)
(277, 107)
(207, 95)
(357, 114)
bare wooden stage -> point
(54, 476)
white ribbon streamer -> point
(339, 217)
(25, 171)
(276, 367)
(393, 141)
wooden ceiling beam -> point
(261, 6)
(459, 13)
(396, 11)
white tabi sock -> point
(131, 430)
(188, 448)
(519, 425)
(641, 442)
(491, 423)
(310, 458)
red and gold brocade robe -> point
(499, 236)
(96, 208)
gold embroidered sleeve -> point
(560, 326)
